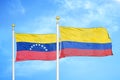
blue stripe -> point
(33, 47)
(64, 44)
(82, 45)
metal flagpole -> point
(13, 53)
(57, 54)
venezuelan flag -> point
(36, 46)
(85, 41)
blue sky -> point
(38, 16)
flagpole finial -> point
(13, 25)
(57, 17)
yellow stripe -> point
(36, 38)
(94, 35)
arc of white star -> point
(34, 45)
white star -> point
(34, 45)
(30, 49)
(41, 45)
(46, 49)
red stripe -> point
(34, 55)
(85, 52)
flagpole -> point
(57, 54)
(13, 53)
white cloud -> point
(45, 24)
(117, 1)
(16, 7)
(73, 4)
(86, 13)
(113, 28)
(27, 68)
(40, 25)
(88, 5)
(79, 13)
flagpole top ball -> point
(57, 17)
(13, 25)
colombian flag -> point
(85, 41)
(36, 47)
